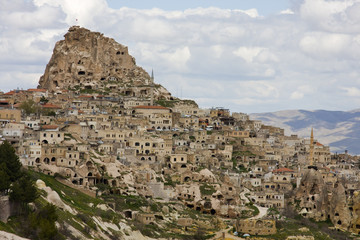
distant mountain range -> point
(338, 129)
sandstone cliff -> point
(339, 213)
(312, 196)
(316, 199)
(88, 60)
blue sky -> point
(264, 7)
(248, 56)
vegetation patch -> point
(206, 189)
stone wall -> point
(5, 208)
(256, 226)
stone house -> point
(51, 155)
(256, 226)
(189, 121)
(147, 111)
(178, 162)
(188, 192)
(145, 218)
(32, 123)
(12, 115)
(219, 112)
(50, 134)
(46, 120)
(269, 199)
(130, 102)
(268, 165)
(186, 110)
(240, 116)
(13, 130)
(237, 134)
(33, 151)
(160, 121)
(112, 135)
(254, 141)
(106, 148)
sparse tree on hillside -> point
(29, 107)
(4, 179)
(44, 100)
(23, 191)
(45, 222)
(10, 161)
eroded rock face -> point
(355, 227)
(339, 213)
(90, 60)
(315, 199)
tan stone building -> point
(50, 134)
(256, 226)
(13, 115)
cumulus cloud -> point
(234, 58)
(287, 11)
(352, 91)
(301, 91)
(322, 45)
(248, 54)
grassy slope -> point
(86, 208)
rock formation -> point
(88, 60)
(315, 199)
(339, 213)
(312, 196)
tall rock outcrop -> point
(320, 201)
(312, 196)
(355, 226)
(339, 213)
(89, 60)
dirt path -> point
(242, 195)
(262, 210)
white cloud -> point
(230, 57)
(352, 91)
(287, 11)
(334, 16)
(248, 53)
(324, 44)
(297, 95)
(301, 91)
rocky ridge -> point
(89, 61)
